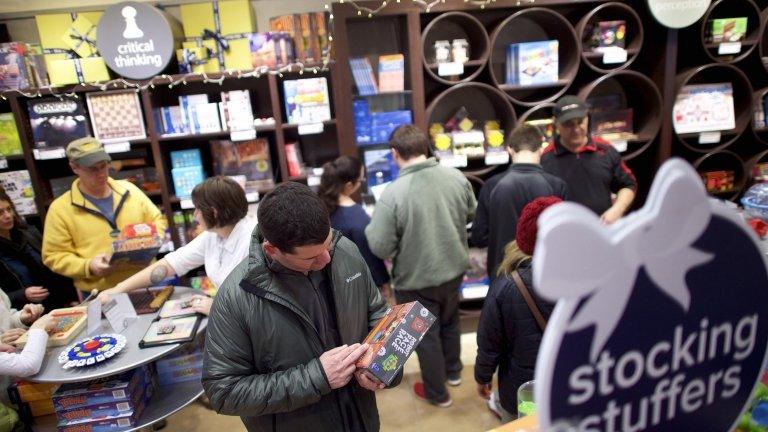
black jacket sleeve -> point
(490, 333)
(622, 175)
(480, 227)
(375, 264)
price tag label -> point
(45, 154)
(252, 197)
(3, 163)
(454, 161)
(496, 158)
(614, 55)
(729, 48)
(310, 128)
(709, 137)
(186, 204)
(474, 292)
(313, 180)
(620, 145)
(450, 69)
(117, 147)
(242, 135)
(119, 312)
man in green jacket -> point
(284, 331)
(420, 223)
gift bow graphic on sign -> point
(599, 264)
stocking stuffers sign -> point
(662, 325)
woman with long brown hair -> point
(23, 276)
(340, 180)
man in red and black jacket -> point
(590, 166)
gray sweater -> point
(420, 223)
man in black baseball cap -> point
(590, 166)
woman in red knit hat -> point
(509, 332)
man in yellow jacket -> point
(82, 224)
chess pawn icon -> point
(132, 30)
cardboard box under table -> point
(224, 27)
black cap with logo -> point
(569, 108)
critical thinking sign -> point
(663, 326)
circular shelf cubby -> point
(482, 102)
(714, 74)
(724, 160)
(731, 9)
(760, 131)
(535, 24)
(749, 165)
(763, 42)
(590, 25)
(450, 26)
(631, 90)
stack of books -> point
(391, 74)
(309, 32)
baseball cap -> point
(570, 107)
(86, 152)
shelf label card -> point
(117, 147)
(729, 48)
(454, 161)
(187, 204)
(311, 128)
(242, 135)
(496, 158)
(252, 197)
(614, 55)
(620, 145)
(450, 69)
(94, 317)
(45, 154)
(709, 137)
(474, 292)
(119, 312)
(3, 163)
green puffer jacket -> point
(262, 352)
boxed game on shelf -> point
(198, 115)
(171, 120)
(607, 35)
(727, 29)
(718, 181)
(182, 366)
(613, 125)
(186, 171)
(14, 70)
(236, 110)
(307, 100)
(546, 127)
(18, 186)
(10, 144)
(309, 32)
(362, 73)
(271, 49)
(704, 108)
(760, 171)
(376, 127)
(380, 168)
(293, 159)
(391, 73)
(531, 63)
(56, 121)
(249, 158)
(116, 115)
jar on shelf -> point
(460, 51)
(442, 51)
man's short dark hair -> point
(292, 216)
(525, 137)
(221, 201)
(410, 142)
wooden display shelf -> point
(612, 11)
(471, 63)
(519, 87)
(331, 122)
(728, 9)
(456, 25)
(384, 94)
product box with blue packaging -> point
(186, 178)
(384, 123)
(186, 158)
(101, 391)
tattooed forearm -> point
(158, 274)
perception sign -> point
(662, 326)
(135, 40)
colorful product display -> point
(607, 34)
(704, 108)
(727, 29)
(248, 158)
(309, 32)
(18, 186)
(531, 63)
(307, 100)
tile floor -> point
(398, 408)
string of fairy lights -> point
(172, 81)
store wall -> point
(18, 14)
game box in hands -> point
(71, 321)
(138, 245)
(116, 115)
(394, 338)
(56, 121)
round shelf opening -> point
(625, 109)
(523, 63)
(611, 37)
(763, 42)
(757, 167)
(700, 115)
(451, 28)
(723, 174)
(760, 122)
(541, 116)
(479, 103)
(725, 35)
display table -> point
(166, 400)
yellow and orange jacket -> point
(76, 231)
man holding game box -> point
(284, 331)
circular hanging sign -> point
(135, 40)
(678, 13)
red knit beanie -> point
(526, 223)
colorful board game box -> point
(56, 121)
(307, 100)
(18, 186)
(249, 158)
(393, 339)
(14, 73)
(108, 424)
(10, 144)
(704, 108)
(185, 179)
(108, 410)
(728, 29)
(100, 391)
(530, 63)
(116, 115)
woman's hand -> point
(30, 313)
(11, 335)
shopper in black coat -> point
(508, 336)
(23, 276)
